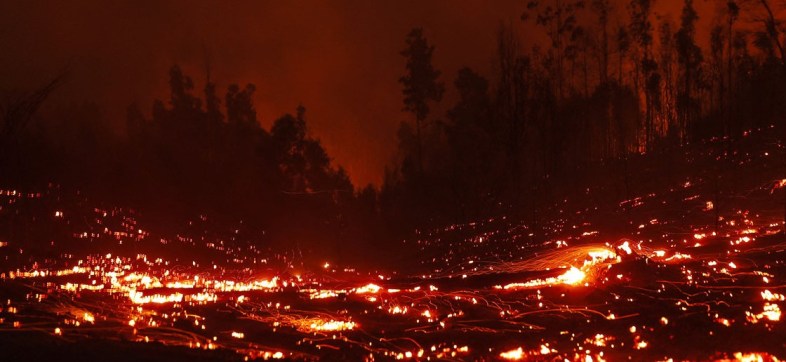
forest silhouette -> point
(584, 110)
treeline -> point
(613, 81)
(610, 84)
(194, 156)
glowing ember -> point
(369, 288)
(88, 317)
(626, 248)
(572, 277)
(515, 354)
(754, 357)
(331, 325)
(771, 297)
(572, 296)
(771, 312)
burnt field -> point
(676, 272)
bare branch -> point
(16, 113)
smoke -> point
(340, 59)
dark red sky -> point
(338, 58)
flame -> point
(626, 248)
(88, 317)
(331, 325)
(771, 297)
(368, 288)
(515, 354)
(754, 357)
(771, 311)
(572, 277)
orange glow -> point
(330, 325)
(572, 277)
(771, 312)
(368, 288)
(515, 354)
(771, 297)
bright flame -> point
(332, 325)
(572, 277)
(626, 248)
(515, 354)
(368, 288)
(771, 311)
(754, 357)
(771, 297)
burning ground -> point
(680, 270)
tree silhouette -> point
(421, 83)
(212, 104)
(623, 46)
(641, 29)
(510, 99)
(732, 13)
(471, 137)
(690, 57)
(181, 99)
(717, 45)
(559, 19)
(16, 111)
(667, 62)
(773, 28)
(240, 106)
(603, 9)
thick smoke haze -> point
(340, 59)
